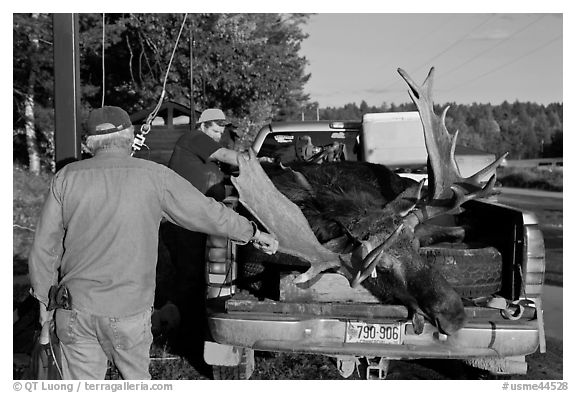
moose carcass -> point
(360, 219)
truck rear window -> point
(295, 146)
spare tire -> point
(473, 270)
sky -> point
(478, 57)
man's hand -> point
(265, 242)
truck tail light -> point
(220, 267)
(533, 271)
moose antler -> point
(282, 218)
(440, 145)
(448, 190)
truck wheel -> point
(242, 371)
(262, 281)
(260, 273)
(473, 270)
(250, 275)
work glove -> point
(45, 321)
(267, 160)
(265, 242)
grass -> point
(273, 366)
(29, 192)
(164, 365)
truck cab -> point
(254, 305)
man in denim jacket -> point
(97, 237)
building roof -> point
(169, 110)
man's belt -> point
(59, 297)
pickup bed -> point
(253, 303)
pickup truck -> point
(254, 304)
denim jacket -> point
(98, 230)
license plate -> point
(374, 333)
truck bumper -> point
(321, 335)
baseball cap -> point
(106, 120)
(213, 114)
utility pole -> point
(192, 107)
(67, 132)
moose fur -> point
(345, 204)
(362, 219)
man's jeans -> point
(88, 341)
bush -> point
(531, 178)
(29, 192)
(28, 197)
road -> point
(553, 310)
(548, 208)
(530, 192)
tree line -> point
(246, 64)
(249, 65)
(524, 129)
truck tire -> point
(473, 270)
(242, 371)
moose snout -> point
(451, 317)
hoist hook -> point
(147, 126)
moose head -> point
(385, 255)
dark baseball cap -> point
(106, 120)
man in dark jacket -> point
(198, 156)
(97, 241)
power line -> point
(498, 68)
(507, 64)
(462, 38)
(455, 43)
(430, 33)
(493, 46)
